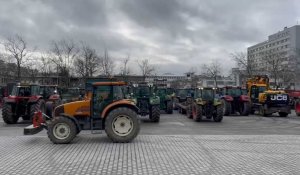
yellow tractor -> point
(265, 100)
(104, 108)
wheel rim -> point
(61, 131)
(122, 125)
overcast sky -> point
(175, 34)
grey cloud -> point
(172, 33)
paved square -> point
(152, 154)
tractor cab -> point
(49, 90)
(103, 96)
(166, 100)
(207, 94)
(24, 90)
(254, 92)
(183, 94)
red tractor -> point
(235, 99)
(23, 101)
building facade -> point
(282, 47)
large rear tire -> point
(245, 109)
(169, 107)
(49, 108)
(189, 111)
(226, 107)
(61, 130)
(122, 125)
(38, 106)
(197, 113)
(218, 115)
(7, 114)
(155, 114)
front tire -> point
(197, 113)
(169, 107)
(61, 130)
(122, 125)
(155, 114)
(245, 109)
(189, 111)
(218, 116)
(226, 107)
(38, 106)
(7, 114)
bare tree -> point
(64, 53)
(107, 65)
(244, 63)
(145, 67)
(17, 47)
(88, 63)
(125, 70)
(212, 70)
(47, 67)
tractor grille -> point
(143, 105)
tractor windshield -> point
(143, 91)
(118, 93)
(207, 94)
(21, 91)
(244, 91)
(235, 92)
(161, 92)
(182, 93)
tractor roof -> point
(116, 83)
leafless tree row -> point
(65, 59)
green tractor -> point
(166, 99)
(147, 102)
(207, 104)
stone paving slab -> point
(152, 154)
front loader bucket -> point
(37, 126)
(31, 130)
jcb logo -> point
(279, 97)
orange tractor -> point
(104, 108)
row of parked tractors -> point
(257, 96)
(114, 106)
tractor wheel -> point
(7, 114)
(197, 113)
(226, 107)
(189, 111)
(170, 107)
(262, 111)
(38, 106)
(155, 114)
(49, 108)
(245, 109)
(122, 125)
(218, 115)
(175, 104)
(61, 130)
(283, 114)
